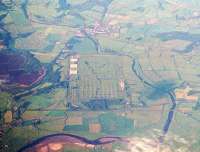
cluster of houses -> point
(182, 94)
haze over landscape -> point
(99, 75)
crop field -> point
(99, 75)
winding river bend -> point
(136, 67)
(70, 139)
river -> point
(62, 138)
(139, 73)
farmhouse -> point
(183, 94)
